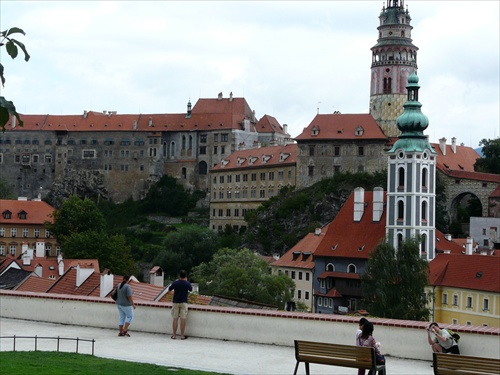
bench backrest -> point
(335, 354)
(453, 364)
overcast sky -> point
(287, 58)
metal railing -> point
(58, 338)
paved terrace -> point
(220, 339)
(220, 356)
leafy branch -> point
(12, 47)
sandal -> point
(173, 337)
(121, 334)
(125, 333)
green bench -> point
(336, 355)
(454, 364)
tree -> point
(12, 46)
(490, 162)
(76, 216)
(394, 281)
(81, 230)
(241, 274)
(185, 248)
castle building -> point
(247, 178)
(119, 156)
(394, 57)
(411, 178)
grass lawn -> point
(60, 363)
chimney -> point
(156, 276)
(219, 97)
(135, 125)
(231, 96)
(106, 285)
(359, 203)
(285, 128)
(442, 146)
(317, 231)
(468, 246)
(454, 145)
(378, 203)
(60, 265)
(26, 260)
(150, 122)
(448, 237)
(85, 114)
(82, 274)
(40, 249)
(13, 121)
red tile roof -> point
(332, 293)
(454, 245)
(37, 212)
(268, 124)
(339, 275)
(35, 284)
(66, 284)
(342, 126)
(262, 157)
(302, 252)
(350, 239)
(476, 272)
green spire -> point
(412, 122)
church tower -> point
(394, 57)
(411, 179)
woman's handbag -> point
(115, 294)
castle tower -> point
(411, 178)
(393, 59)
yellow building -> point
(247, 178)
(22, 228)
(465, 289)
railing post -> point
(93, 342)
(77, 345)
(14, 342)
(58, 344)
(36, 342)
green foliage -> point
(76, 216)
(12, 46)
(241, 274)
(167, 197)
(442, 219)
(60, 363)
(81, 230)
(185, 248)
(6, 190)
(394, 281)
(490, 162)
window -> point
(13, 232)
(245, 177)
(236, 212)
(271, 176)
(203, 150)
(221, 179)
(307, 276)
(361, 151)
(221, 195)
(37, 232)
(320, 301)
(336, 151)
(311, 171)
(469, 302)
(311, 150)
(254, 177)
(253, 193)
(228, 195)
(25, 232)
(237, 194)
(215, 150)
(223, 137)
(351, 268)
(299, 294)
(454, 321)
(445, 298)
(12, 249)
(300, 275)
(47, 233)
(401, 210)
(203, 138)
(228, 212)
(229, 179)
(486, 304)
(221, 212)
(2, 232)
(293, 275)
(263, 176)
(281, 175)
(237, 178)
(306, 296)
(322, 283)
(216, 137)
(243, 212)
(401, 174)
(2, 250)
(245, 194)
(262, 193)
(455, 300)
(89, 154)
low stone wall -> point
(399, 338)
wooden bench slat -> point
(452, 364)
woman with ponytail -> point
(125, 305)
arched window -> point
(423, 245)
(424, 178)
(401, 180)
(190, 142)
(202, 168)
(351, 268)
(401, 210)
(424, 211)
(184, 173)
(164, 150)
(387, 85)
(400, 239)
(172, 149)
(330, 267)
(183, 142)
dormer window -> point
(265, 158)
(223, 163)
(22, 215)
(284, 156)
(314, 130)
(240, 161)
(7, 214)
(359, 131)
(252, 159)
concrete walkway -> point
(219, 356)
